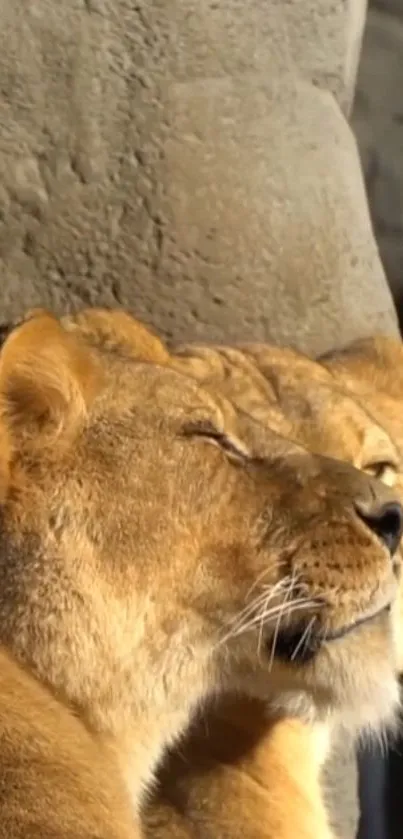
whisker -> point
(292, 580)
(308, 638)
(248, 610)
(260, 577)
(287, 582)
(296, 606)
(260, 607)
(287, 608)
(257, 602)
(277, 628)
(260, 637)
(293, 606)
(304, 638)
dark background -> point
(378, 124)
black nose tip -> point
(386, 520)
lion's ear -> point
(46, 376)
(115, 329)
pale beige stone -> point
(188, 159)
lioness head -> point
(371, 370)
(299, 398)
(158, 545)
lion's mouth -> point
(300, 645)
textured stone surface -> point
(341, 788)
(186, 159)
(378, 122)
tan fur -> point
(243, 772)
(124, 481)
(57, 780)
(372, 372)
(247, 791)
(295, 396)
(118, 331)
(140, 513)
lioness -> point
(240, 771)
(157, 545)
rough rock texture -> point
(341, 790)
(378, 122)
(190, 160)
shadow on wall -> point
(378, 124)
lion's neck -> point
(150, 718)
(137, 691)
(141, 750)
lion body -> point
(142, 504)
(57, 779)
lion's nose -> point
(384, 519)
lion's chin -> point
(351, 679)
(372, 712)
(302, 642)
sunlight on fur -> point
(164, 547)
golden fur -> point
(371, 371)
(246, 790)
(239, 770)
(143, 518)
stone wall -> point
(189, 160)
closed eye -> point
(207, 431)
(384, 471)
